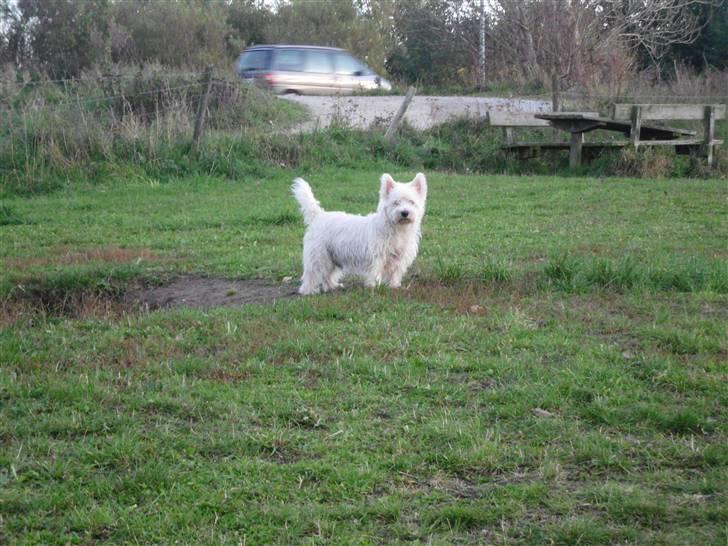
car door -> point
(352, 74)
(287, 68)
(319, 70)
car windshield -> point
(254, 60)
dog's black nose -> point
(404, 213)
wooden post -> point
(555, 93)
(482, 45)
(555, 100)
(508, 135)
(202, 108)
(709, 134)
(389, 135)
(577, 140)
(634, 130)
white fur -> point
(378, 247)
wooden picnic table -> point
(579, 123)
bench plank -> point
(676, 142)
(563, 145)
(499, 118)
(652, 112)
(514, 119)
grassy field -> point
(555, 371)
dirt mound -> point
(203, 292)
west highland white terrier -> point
(378, 247)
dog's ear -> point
(387, 185)
(420, 184)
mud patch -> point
(115, 298)
(204, 292)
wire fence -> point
(96, 78)
(74, 124)
(154, 97)
(108, 99)
(37, 94)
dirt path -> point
(423, 112)
(205, 292)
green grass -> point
(370, 416)
(51, 151)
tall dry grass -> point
(52, 128)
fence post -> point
(389, 135)
(202, 108)
(709, 135)
(555, 93)
(636, 126)
(555, 100)
(575, 147)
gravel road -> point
(423, 112)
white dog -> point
(378, 247)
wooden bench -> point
(702, 145)
(509, 121)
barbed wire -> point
(80, 101)
(99, 99)
(105, 77)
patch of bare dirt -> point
(205, 292)
(190, 291)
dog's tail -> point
(310, 207)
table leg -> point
(577, 139)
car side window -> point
(318, 61)
(289, 60)
(253, 60)
(346, 64)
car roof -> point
(292, 46)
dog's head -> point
(403, 203)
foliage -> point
(710, 49)
(437, 44)
(431, 42)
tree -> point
(64, 36)
(356, 25)
(552, 41)
(438, 42)
(173, 32)
(710, 49)
(653, 27)
(583, 41)
(249, 22)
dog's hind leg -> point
(318, 272)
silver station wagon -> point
(307, 70)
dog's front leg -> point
(374, 276)
(372, 280)
(394, 270)
(395, 280)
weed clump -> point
(8, 216)
(578, 274)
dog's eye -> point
(397, 203)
